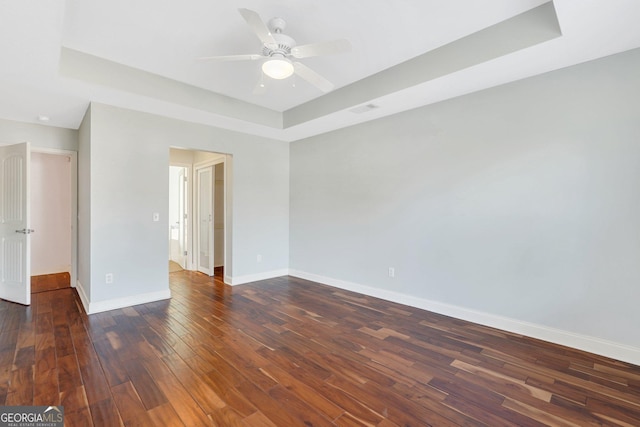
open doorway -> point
(178, 216)
(198, 211)
(53, 203)
(38, 227)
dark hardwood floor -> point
(50, 282)
(287, 352)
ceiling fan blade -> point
(248, 57)
(312, 77)
(258, 26)
(323, 48)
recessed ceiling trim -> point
(527, 29)
(92, 69)
(524, 30)
(364, 108)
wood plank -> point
(105, 414)
(190, 413)
(25, 357)
(304, 392)
(20, 387)
(76, 407)
(113, 369)
(208, 400)
(129, 405)
(267, 405)
(45, 385)
(227, 417)
(165, 415)
(69, 376)
(97, 387)
(147, 389)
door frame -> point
(190, 215)
(73, 160)
(224, 160)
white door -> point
(205, 189)
(15, 275)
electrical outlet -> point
(259, 258)
(392, 272)
(156, 217)
(108, 278)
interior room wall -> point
(520, 202)
(129, 160)
(40, 136)
(50, 213)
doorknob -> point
(25, 231)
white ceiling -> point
(44, 71)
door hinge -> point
(185, 253)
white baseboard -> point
(113, 304)
(83, 296)
(240, 280)
(587, 343)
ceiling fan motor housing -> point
(283, 46)
(284, 42)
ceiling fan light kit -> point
(278, 67)
(279, 48)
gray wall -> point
(521, 201)
(38, 135)
(129, 180)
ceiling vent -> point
(364, 108)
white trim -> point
(210, 162)
(83, 296)
(582, 342)
(228, 214)
(241, 280)
(113, 304)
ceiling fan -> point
(279, 52)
